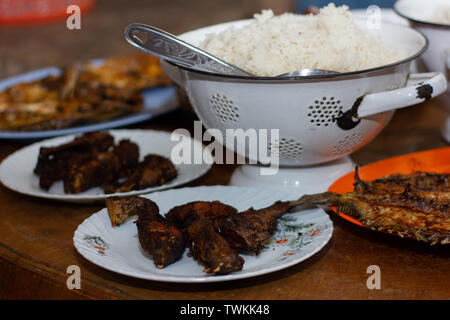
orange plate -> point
(436, 160)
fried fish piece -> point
(128, 154)
(163, 241)
(216, 211)
(51, 103)
(120, 209)
(135, 71)
(199, 220)
(248, 231)
(211, 249)
(83, 93)
(245, 231)
(154, 170)
(55, 162)
(92, 160)
(27, 104)
(103, 167)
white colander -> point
(320, 118)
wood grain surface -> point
(36, 235)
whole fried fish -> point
(414, 205)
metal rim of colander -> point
(325, 76)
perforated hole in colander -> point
(324, 111)
(348, 143)
(287, 148)
(224, 109)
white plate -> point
(16, 171)
(157, 101)
(298, 237)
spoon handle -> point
(168, 47)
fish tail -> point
(309, 201)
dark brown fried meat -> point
(165, 169)
(246, 231)
(163, 241)
(102, 167)
(211, 249)
(120, 209)
(155, 170)
(128, 154)
(199, 221)
(249, 230)
(216, 211)
(92, 160)
(54, 162)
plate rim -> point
(92, 198)
(209, 278)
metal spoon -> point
(166, 46)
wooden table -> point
(36, 242)
(36, 235)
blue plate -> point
(157, 101)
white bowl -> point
(420, 13)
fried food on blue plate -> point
(83, 93)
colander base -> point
(446, 130)
(294, 180)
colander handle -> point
(420, 87)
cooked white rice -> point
(271, 45)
